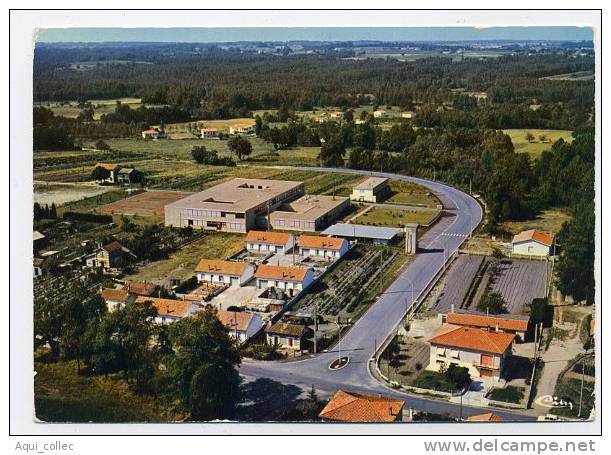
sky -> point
(219, 35)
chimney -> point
(497, 327)
(452, 309)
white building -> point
(322, 247)
(292, 280)
(532, 243)
(209, 133)
(224, 272)
(269, 242)
(242, 128)
(372, 189)
(37, 264)
(408, 114)
(169, 310)
(241, 325)
(380, 114)
(286, 335)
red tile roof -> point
(107, 166)
(356, 407)
(486, 417)
(232, 318)
(472, 339)
(536, 235)
(113, 247)
(284, 328)
(274, 272)
(167, 307)
(115, 295)
(490, 322)
(272, 238)
(139, 287)
(316, 241)
(222, 267)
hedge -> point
(90, 217)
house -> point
(322, 247)
(486, 417)
(337, 115)
(112, 168)
(286, 335)
(269, 242)
(242, 129)
(408, 114)
(292, 280)
(145, 288)
(38, 241)
(232, 206)
(37, 264)
(107, 256)
(128, 175)
(169, 310)
(115, 298)
(209, 133)
(514, 324)
(357, 407)
(372, 189)
(380, 114)
(308, 213)
(152, 134)
(481, 351)
(220, 272)
(532, 243)
(241, 325)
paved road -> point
(462, 214)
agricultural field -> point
(411, 194)
(520, 281)
(535, 147)
(71, 109)
(576, 76)
(147, 204)
(383, 216)
(181, 264)
(174, 129)
(457, 283)
(62, 194)
(550, 220)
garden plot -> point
(519, 282)
(458, 282)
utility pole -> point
(470, 192)
(315, 324)
(583, 368)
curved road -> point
(461, 216)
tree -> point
(202, 372)
(100, 174)
(538, 310)
(529, 137)
(458, 377)
(240, 146)
(199, 153)
(542, 138)
(492, 302)
(332, 154)
(310, 407)
(101, 145)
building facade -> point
(291, 280)
(322, 247)
(309, 213)
(222, 273)
(532, 243)
(269, 242)
(372, 189)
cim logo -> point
(549, 401)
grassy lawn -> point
(570, 388)
(549, 220)
(510, 394)
(432, 380)
(63, 396)
(71, 109)
(410, 193)
(181, 264)
(534, 148)
(396, 217)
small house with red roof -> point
(357, 407)
(532, 243)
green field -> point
(410, 193)
(71, 109)
(396, 217)
(536, 147)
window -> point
(454, 354)
(441, 352)
(531, 249)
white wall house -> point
(169, 310)
(224, 272)
(286, 335)
(322, 247)
(482, 352)
(292, 280)
(269, 242)
(242, 129)
(209, 133)
(532, 243)
(380, 114)
(241, 325)
(372, 190)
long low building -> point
(269, 242)
(309, 213)
(381, 235)
(224, 272)
(372, 189)
(322, 247)
(232, 206)
(292, 280)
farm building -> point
(209, 133)
(308, 213)
(357, 407)
(241, 325)
(380, 114)
(242, 129)
(128, 175)
(372, 189)
(292, 280)
(517, 325)
(336, 115)
(269, 242)
(112, 168)
(152, 134)
(224, 272)
(38, 241)
(482, 352)
(169, 310)
(107, 256)
(408, 114)
(232, 206)
(286, 335)
(378, 235)
(116, 297)
(532, 243)
(322, 247)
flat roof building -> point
(309, 213)
(232, 206)
(381, 235)
(372, 189)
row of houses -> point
(306, 245)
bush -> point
(90, 217)
(510, 394)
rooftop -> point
(283, 328)
(108, 166)
(486, 417)
(490, 322)
(534, 234)
(308, 207)
(317, 241)
(232, 318)
(167, 307)
(115, 295)
(472, 339)
(361, 231)
(274, 272)
(237, 195)
(371, 183)
(357, 407)
(37, 235)
(219, 266)
(113, 247)
(270, 237)
(140, 287)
